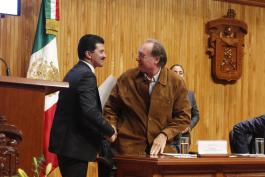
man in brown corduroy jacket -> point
(149, 104)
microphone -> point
(7, 68)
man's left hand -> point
(159, 144)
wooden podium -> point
(22, 104)
(166, 166)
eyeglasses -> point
(142, 57)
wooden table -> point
(166, 166)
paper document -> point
(181, 155)
(105, 89)
(247, 155)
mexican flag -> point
(44, 64)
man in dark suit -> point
(242, 137)
(78, 127)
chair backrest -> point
(10, 137)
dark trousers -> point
(70, 167)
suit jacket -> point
(194, 109)
(140, 117)
(78, 127)
(194, 119)
(242, 137)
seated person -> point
(242, 137)
(177, 68)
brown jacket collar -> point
(162, 76)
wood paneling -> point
(260, 3)
(179, 24)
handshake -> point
(112, 138)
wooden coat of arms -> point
(226, 46)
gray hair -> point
(158, 51)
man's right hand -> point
(159, 144)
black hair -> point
(88, 43)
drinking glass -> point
(259, 145)
(184, 145)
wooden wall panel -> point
(259, 3)
(16, 37)
(179, 24)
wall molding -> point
(259, 3)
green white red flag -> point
(44, 64)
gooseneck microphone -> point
(7, 68)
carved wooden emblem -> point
(226, 46)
